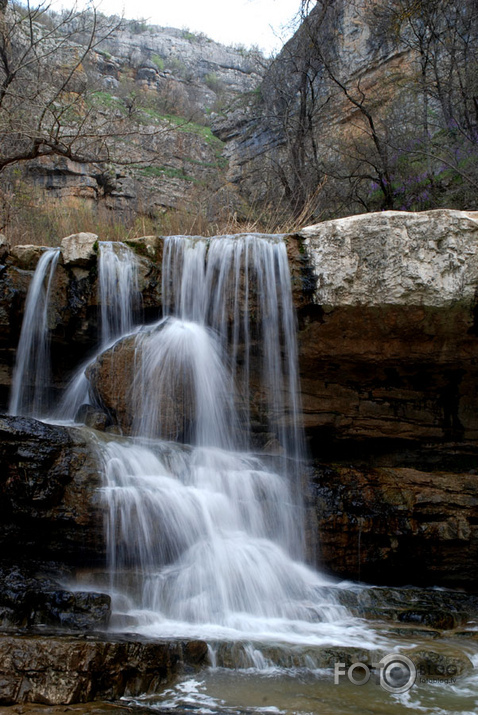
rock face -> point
(395, 258)
(61, 670)
(49, 506)
(30, 598)
(388, 358)
(388, 343)
(397, 525)
(181, 80)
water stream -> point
(203, 501)
(31, 375)
(213, 533)
(118, 298)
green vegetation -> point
(158, 61)
(213, 82)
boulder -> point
(111, 377)
(395, 258)
(114, 380)
(26, 257)
(79, 249)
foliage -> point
(158, 61)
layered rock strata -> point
(388, 349)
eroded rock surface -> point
(62, 669)
(49, 503)
(397, 525)
(389, 342)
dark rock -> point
(62, 670)
(397, 526)
(92, 417)
(49, 504)
(28, 599)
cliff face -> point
(264, 133)
(388, 358)
(389, 343)
(162, 86)
(359, 112)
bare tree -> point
(48, 104)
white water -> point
(31, 375)
(205, 538)
(118, 297)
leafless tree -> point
(48, 104)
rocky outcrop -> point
(180, 80)
(33, 594)
(57, 670)
(267, 139)
(397, 525)
(49, 506)
(388, 359)
(389, 339)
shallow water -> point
(309, 692)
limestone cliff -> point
(362, 110)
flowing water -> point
(31, 375)
(118, 298)
(212, 532)
(203, 509)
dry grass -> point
(39, 222)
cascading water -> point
(204, 534)
(118, 297)
(31, 375)
(212, 532)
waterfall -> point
(31, 375)
(118, 297)
(118, 291)
(205, 536)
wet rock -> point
(115, 383)
(63, 670)
(79, 249)
(28, 599)
(397, 525)
(433, 665)
(49, 499)
(111, 377)
(92, 417)
(149, 246)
